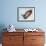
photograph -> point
(22, 23)
(26, 14)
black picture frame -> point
(21, 10)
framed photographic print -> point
(26, 14)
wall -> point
(9, 13)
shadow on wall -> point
(2, 26)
